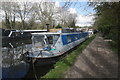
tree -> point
(31, 21)
(9, 13)
(108, 19)
(23, 10)
(45, 12)
(68, 19)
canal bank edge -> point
(64, 64)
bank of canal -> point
(65, 63)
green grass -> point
(64, 64)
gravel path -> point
(96, 61)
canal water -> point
(13, 64)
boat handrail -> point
(10, 34)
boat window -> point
(38, 41)
(68, 38)
(26, 33)
(42, 41)
(76, 37)
(18, 33)
(50, 39)
(13, 34)
(55, 38)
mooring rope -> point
(34, 69)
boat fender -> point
(53, 49)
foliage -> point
(72, 24)
(58, 26)
(113, 46)
(108, 19)
(64, 64)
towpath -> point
(96, 61)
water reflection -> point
(38, 72)
(13, 65)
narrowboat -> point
(48, 46)
(10, 35)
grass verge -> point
(64, 64)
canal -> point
(13, 64)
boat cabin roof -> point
(49, 33)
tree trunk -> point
(23, 23)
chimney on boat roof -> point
(47, 25)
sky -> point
(84, 12)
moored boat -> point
(48, 46)
(10, 35)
